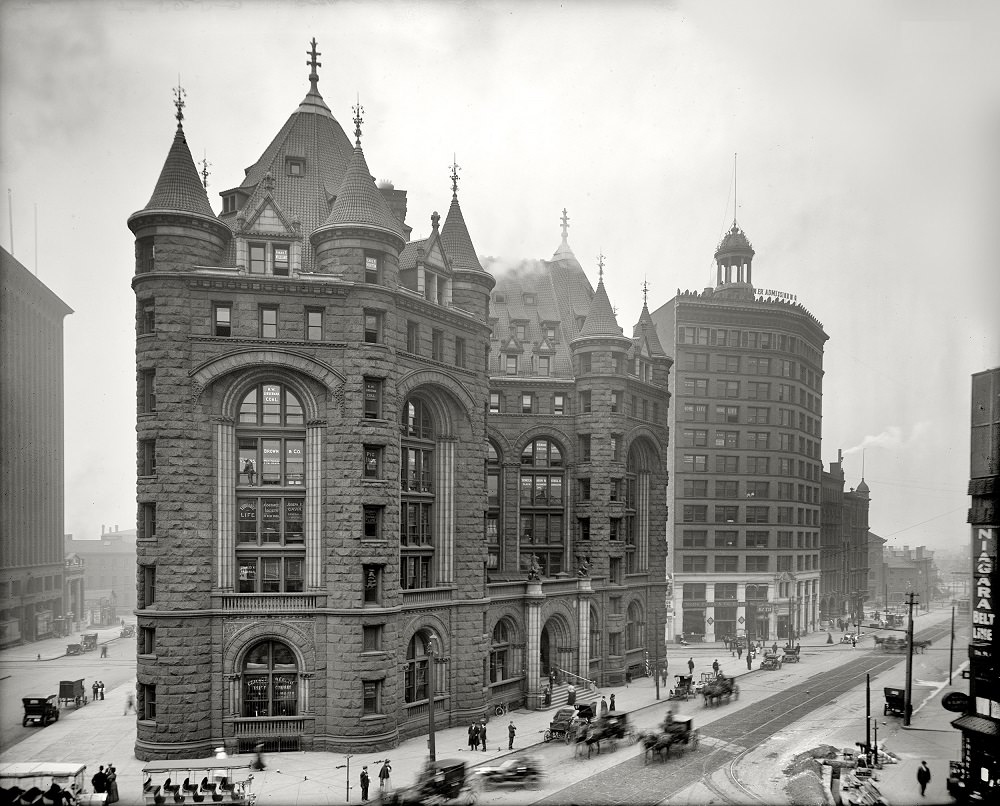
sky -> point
(862, 137)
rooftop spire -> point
(454, 176)
(179, 95)
(312, 53)
(600, 266)
(359, 110)
(645, 292)
(204, 169)
(565, 225)
(734, 188)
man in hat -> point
(511, 730)
(365, 780)
(383, 776)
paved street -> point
(772, 706)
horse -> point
(719, 689)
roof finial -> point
(359, 110)
(565, 224)
(204, 169)
(734, 190)
(600, 265)
(313, 64)
(179, 95)
(435, 220)
(645, 291)
(454, 176)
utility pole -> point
(907, 701)
(951, 651)
(868, 715)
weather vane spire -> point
(204, 169)
(454, 176)
(312, 53)
(645, 292)
(179, 95)
(359, 110)
(600, 265)
(734, 189)
(565, 224)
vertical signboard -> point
(984, 560)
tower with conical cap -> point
(311, 443)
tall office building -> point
(337, 525)
(745, 471)
(32, 490)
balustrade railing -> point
(268, 726)
(268, 602)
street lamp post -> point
(431, 652)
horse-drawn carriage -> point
(722, 688)
(564, 725)
(609, 729)
(128, 631)
(771, 661)
(675, 731)
(72, 692)
(440, 782)
(683, 689)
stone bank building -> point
(369, 473)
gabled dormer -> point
(267, 241)
(425, 269)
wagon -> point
(676, 731)
(440, 782)
(790, 655)
(41, 710)
(771, 661)
(88, 641)
(895, 701)
(683, 689)
(72, 692)
(127, 631)
(564, 725)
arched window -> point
(542, 506)
(494, 507)
(595, 634)
(501, 653)
(270, 680)
(418, 660)
(635, 627)
(270, 491)
(416, 522)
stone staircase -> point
(560, 694)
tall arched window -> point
(501, 653)
(415, 672)
(635, 627)
(541, 500)
(416, 532)
(270, 490)
(494, 507)
(270, 680)
(595, 634)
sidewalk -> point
(97, 736)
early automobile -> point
(771, 661)
(564, 725)
(516, 771)
(45, 782)
(128, 630)
(41, 710)
(88, 641)
(72, 692)
(895, 701)
(440, 782)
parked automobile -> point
(41, 710)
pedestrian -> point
(829, 637)
(383, 776)
(258, 760)
(612, 703)
(774, 647)
(93, 688)
(749, 661)
(552, 678)
(923, 776)
(511, 730)
(104, 650)
(100, 780)
(854, 640)
(628, 677)
(365, 780)
(571, 695)
(112, 785)
(739, 651)
(130, 704)
(475, 736)
(604, 706)
(715, 667)
(547, 696)
(100, 689)
(691, 666)
(482, 736)
(725, 642)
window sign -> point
(294, 462)
(270, 461)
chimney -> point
(116, 527)
(102, 530)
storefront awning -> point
(977, 724)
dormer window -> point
(295, 166)
(229, 204)
(519, 332)
(529, 299)
(550, 332)
(269, 258)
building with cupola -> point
(367, 483)
(745, 463)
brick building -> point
(32, 488)
(331, 535)
(109, 574)
(844, 554)
(745, 468)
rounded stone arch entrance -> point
(556, 650)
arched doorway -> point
(547, 653)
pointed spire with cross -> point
(179, 95)
(565, 224)
(645, 292)
(313, 64)
(359, 110)
(204, 169)
(454, 176)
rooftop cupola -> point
(733, 258)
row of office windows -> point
(752, 539)
(756, 340)
(753, 415)
(754, 591)
(751, 390)
(752, 440)
(734, 488)
(730, 513)
(750, 563)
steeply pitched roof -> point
(457, 242)
(601, 320)
(179, 188)
(645, 330)
(359, 202)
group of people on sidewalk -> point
(383, 780)
(98, 689)
(105, 781)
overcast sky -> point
(867, 136)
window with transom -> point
(416, 533)
(635, 627)
(494, 488)
(542, 482)
(270, 680)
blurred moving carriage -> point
(569, 722)
(440, 782)
(676, 731)
(683, 689)
(517, 771)
(722, 688)
(611, 728)
(72, 692)
(771, 661)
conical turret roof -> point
(457, 241)
(179, 188)
(359, 202)
(601, 320)
(645, 329)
